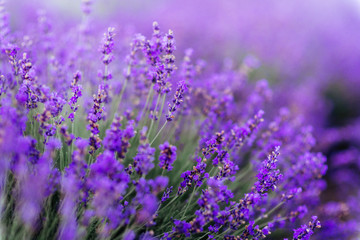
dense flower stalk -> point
(305, 231)
(94, 116)
(131, 59)
(169, 48)
(30, 94)
(76, 89)
(86, 6)
(178, 99)
(74, 188)
(143, 161)
(267, 172)
(167, 156)
(108, 46)
(117, 140)
(159, 53)
(11, 51)
(268, 176)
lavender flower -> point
(197, 176)
(29, 92)
(117, 140)
(146, 197)
(136, 45)
(86, 6)
(11, 51)
(166, 194)
(76, 89)
(169, 48)
(34, 186)
(69, 137)
(268, 176)
(108, 46)
(167, 156)
(95, 115)
(305, 231)
(161, 66)
(108, 182)
(143, 161)
(178, 99)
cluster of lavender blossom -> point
(96, 143)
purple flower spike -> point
(305, 231)
(178, 99)
(86, 6)
(268, 176)
(169, 48)
(167, 156)
(77, 93)
(117, 139)
(108, 46)
(143, 161)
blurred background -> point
(295, 40)
(309, 52)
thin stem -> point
(269, 212)
(163, 126)
(242, 175)
(128, 225)
(171, 134)
(129, 193)
(275, 220)
(116, 104)
(175, 197)
(161, 109)
(147, 100)
(122, 92)
(259, 218)
(153, 117)
(105, 72)
(188, 203)
(62, 165)
(157, 210)
(72, 142)
(211, 171)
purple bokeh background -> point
(297, 39)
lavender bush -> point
(110, 134)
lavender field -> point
(179, 119)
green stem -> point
(62, 165)
(162, 128)
(161, 109)
(171, 134)
(260, 218)
(175, 197)
(122, 93)
(211, 171)
(155, 115)
(116, 106)
(269, 212)
(105, 72)
(188, 203)
(129, 193)
(33, 123)
(72, 143)
(147, 101)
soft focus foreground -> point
(106, 133)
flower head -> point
(167, 156)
